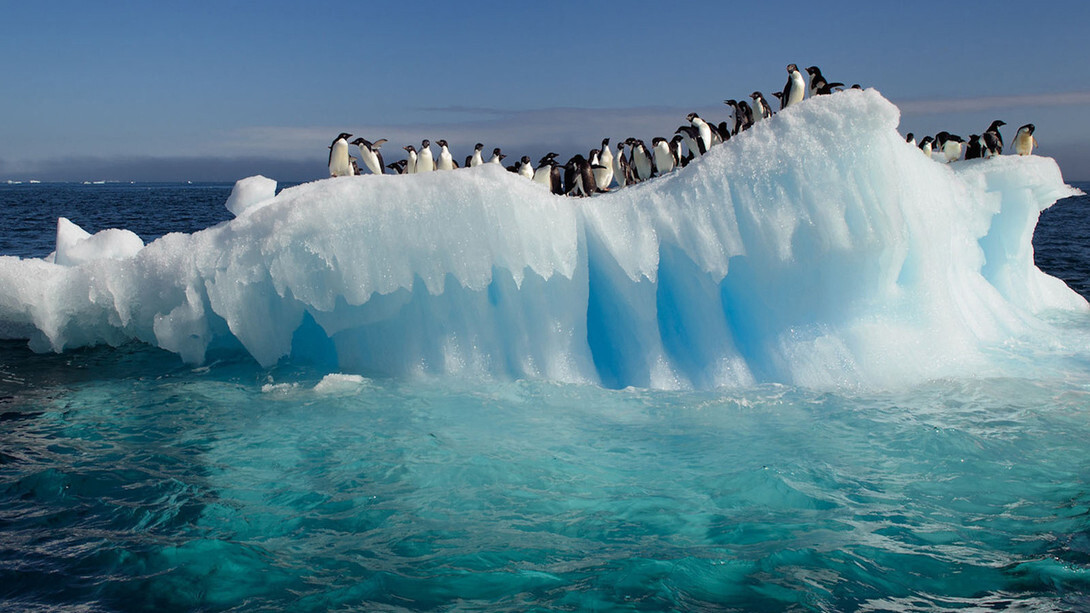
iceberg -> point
(815, 249)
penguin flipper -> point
(375, 145)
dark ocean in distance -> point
(130, 481)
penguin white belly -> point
(663, 159)
(424, 161)
(798, 89)
(541, 175)
(339, 164)
(951, 150)
(371, 161)
(618, 171)
(1023, 143)
(526, 171)
(446, 162)
(477, 160)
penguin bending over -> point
(339, 163)
(398, 167)
(925, 146)
(951, 145)
(974, 147)
(704, 141)
(544, 168)
(370, 154)
(1024, 141)
(818, 85)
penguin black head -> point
(657, 140)
(344, 135)
(692, 116)
(1028, 128)
(731, 102)
(812, 71)
(778, 95)
(496, 151)
(605, 143)
(358, 142)
(478, 147)
(409, 148)
(909, 137)
(425, 144)
(525, 159)
(792, 68)
(469, 161)
(594, 152)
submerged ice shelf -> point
(814, 249)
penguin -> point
(761, 110)
(620, 166)
(370, 154)
(339, 163)
(544, 168)
(398, 167)
(497, 157)
(779, 98)
(675, 150)
(723, 130)
(604, 177)
(410, 166)
(1024, 140)
(664, 158)
(736, 113)
(993, 140)
(951, 145)
(424, 160)
(704, 130)
(477, 160)
(818, 85)
(974, 147)
(925, 145)
(355, 166)
(578, 177)
(446, 160)
(643, 165)
(747, 115)
(525, 169)
(795, 89)
(911, 139)
(469, 162)
(688, 136)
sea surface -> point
(130, 481)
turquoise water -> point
(132, 482)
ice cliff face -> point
(817, 248)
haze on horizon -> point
(218, 92)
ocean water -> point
(130, 481)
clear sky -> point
(221, 90)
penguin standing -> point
(620, 166)
(1024, 141)
(795, 89)
(497, 157)
(410, 166)
(544, 169)
(761, 110)
(604, 177)
(704, 142)
(747, 115)
(578, 177)
(993, 140)
(370, 154)
(911, 139)
(925, 145)
(339, 163)
(525, 169)
(476, 160)
(664, 158)
(675, 150)
(643, 165)
(446, 160)
(425, 162)
(974, 147)
(688, 136)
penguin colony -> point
(601, 168)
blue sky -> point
(219, 90)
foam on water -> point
(816, 249)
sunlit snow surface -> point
(818, 249)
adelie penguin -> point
(689, 136)
(761, 110)
(525, 168)
(340, 165)
(604, 177)
(497, 157)
(424, 160)
(747, 115)
(544, 168)
(974, 147)
(993, 140)
(739, 117)
(1024, 141)
(818, 85)
(370, 154)
(925, 146)
(911, 139)
(410, 163)
(579, 178)
(664, 157)
(476, 160)
(621, 171)
(703, 129)
(951, 145)
(398, 167)
(446, 160)
(643, 165)
(795, 89)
